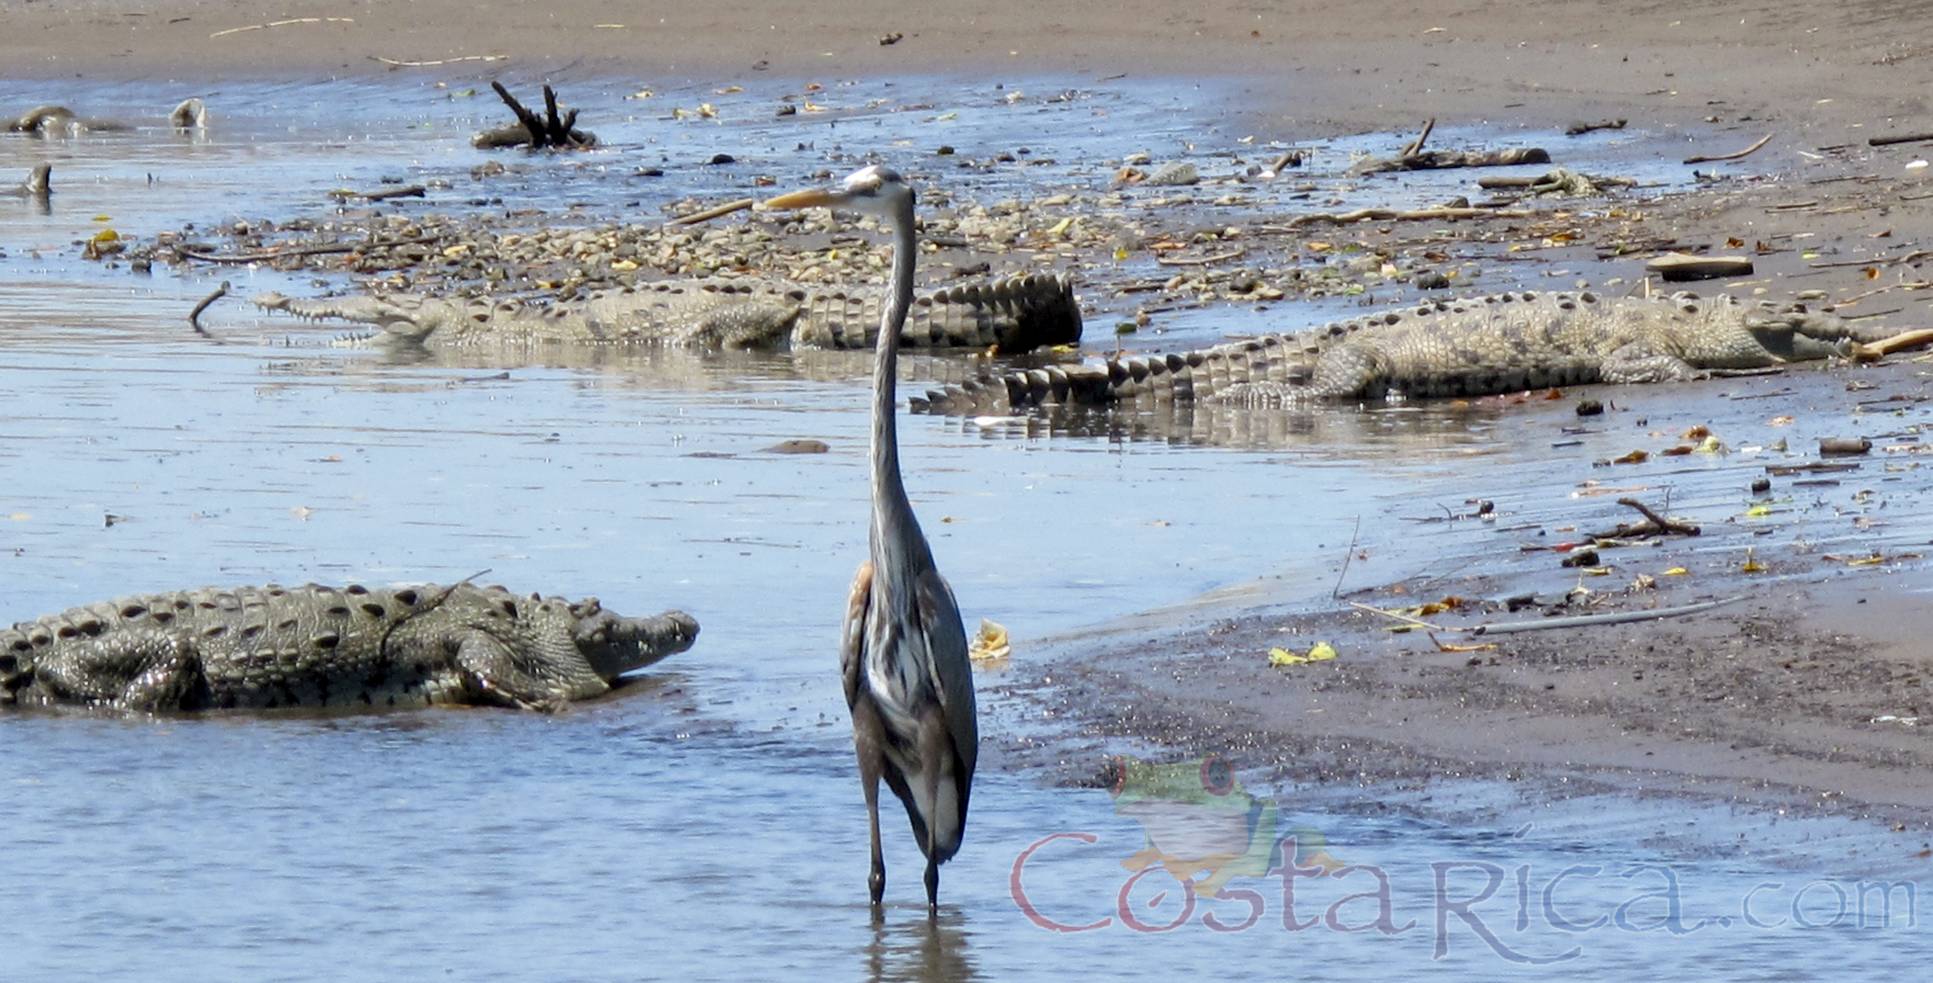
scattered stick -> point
(284, 23)
(194, 316)
(1591, 620)
(1902, 138)
(411, 191)
(1684, 266)
(1704, 159)
(711, 213)
(1579, 129)
(1394, 215)
(1435, 160)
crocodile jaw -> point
(615, 645)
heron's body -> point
(903, 654)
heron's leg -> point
(932, 889)
(869, 781)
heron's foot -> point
(877, 883)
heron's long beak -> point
(809, 198)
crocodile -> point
(269, 648)
(1011, 316)
(36, 185)
(1480, 346)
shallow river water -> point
(704, 822)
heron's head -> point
(873, 190)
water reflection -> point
(918, 948)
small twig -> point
(711, 213)
(284, 23)
(1415, 146)
(1705, 159)
(1393, 215)
(1591, 620)
(399, 63)
(1406, 619)
(1200, 260)
(194, 316)
(266, 255)
(1346, 557)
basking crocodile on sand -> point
(1486, 345)
(265, 648)
(1013, 315)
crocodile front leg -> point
(1637, 363)
(489, 671)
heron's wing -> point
(951, 670)
(852, 643)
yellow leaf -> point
(624, 265)
(1635, 457)
(1758, 510)
(1318, 247)
(107, 235)
(1120, 253)
(102, 218)
(19, 516)
(1060, 228)
(1865, 561)
(989, 644)
(705, 110)
(1677, 572)
(1321, 651)
(1750, 565)
(1597, 571)
(1283, 657)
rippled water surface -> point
(704, 822)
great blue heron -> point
(904, 652)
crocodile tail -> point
(1044, 312)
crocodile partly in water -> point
(36, 186)
(1011, 316)
(1486, 345)
(265, 648)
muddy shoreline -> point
(1774, 704)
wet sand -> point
(1776, 702)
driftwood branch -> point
(1434, 160)
(1705, 159)
(538, 132)
(1653, 524)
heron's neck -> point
(890, 506)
